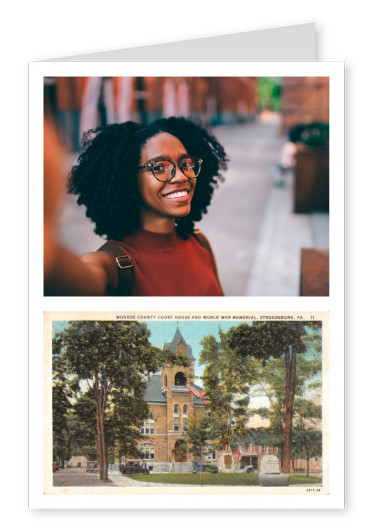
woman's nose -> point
(178, 176)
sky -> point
(192, 331)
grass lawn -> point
(226, 478)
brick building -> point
(173, 399)
(249, 453)
(216, 100)
(81, 103)
(304, 100)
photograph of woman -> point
(144, 186)
(141, 158)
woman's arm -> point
(68, 274)
(64, 272)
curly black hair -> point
(105, 176)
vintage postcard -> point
(193, 404)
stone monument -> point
(269, 474)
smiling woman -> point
(168, 193)
(144, 187)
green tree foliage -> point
(265, 436)
(306, 437)
(269, 92)
(124, 420)
(82, 426)
(60, 412)
(114, 359)
(306, 443)
(203, 430)
(290, 355)
(227, 378)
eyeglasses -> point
(165, 170)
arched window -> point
(180, 379)
(147, 450)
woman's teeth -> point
(177, 194)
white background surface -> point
(41, 30)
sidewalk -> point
(276, 266)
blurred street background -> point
(269, 220)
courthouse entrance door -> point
(227, 460)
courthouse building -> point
(173, 398)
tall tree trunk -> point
(307, 457)
(101, 446)
(288, 411)
(100, 464)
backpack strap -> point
(204, 242)
(125, 268)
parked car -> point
(134, 467)
(92, 466)
(55, 466)
(204, 467)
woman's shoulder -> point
(204, 242)
(202, 239)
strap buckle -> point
(128, 259)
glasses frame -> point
(150, 166)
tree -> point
(278, 344)
(124, 420)
(306, 443)
(63, 391)
(306, 438)
(203, 430)
(269, 91)
(82, 426)
(60, 414)
(114, 358)
(227, 378)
